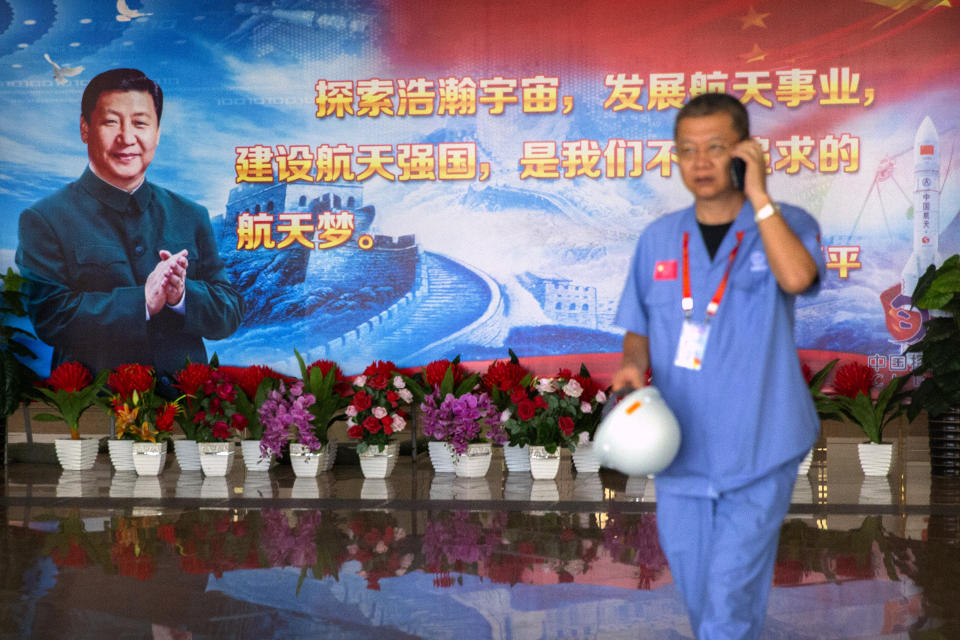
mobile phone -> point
(738, 169)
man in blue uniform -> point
(709, 307)
(120, 270)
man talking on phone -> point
(709, 307)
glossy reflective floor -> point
(103, 554)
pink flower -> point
(398, 423)
(573, 389)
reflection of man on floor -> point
(709, 307)
(118, 269)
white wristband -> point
(765, 212)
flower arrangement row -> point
(506, 403)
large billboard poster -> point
(418, 179)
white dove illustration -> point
(126, 14)
(60, 74)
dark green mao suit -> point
(86, 252)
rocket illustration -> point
(926, 206)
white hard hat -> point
(640, 435)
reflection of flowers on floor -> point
(632, 539)
(305, 539)
(380, 546)
(216, 541)
(460, 542)
(134, 550)
(547, 547)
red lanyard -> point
(687, 302)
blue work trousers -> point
(722, 550)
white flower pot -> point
(216, 458)
(441, 456)
(253, 458)
(188, 455)
(875, 458)
(517, 458)
(379, 464)
(305, 463)
(121, 454)
(585, 459)
(475, 462)
(149, 457)
(543, 465)
(331, 456)
(77, 455)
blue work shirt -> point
(748, 410)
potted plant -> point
(938, 291)
(854, 401)
(542, 419)
(508, 383)
(140, 417)
(332, 392)
(252, 385)
(71, 389)
(459, 414)
(289, 425)
(821, 402)
(209, 416)
(15, 378)
(581, 398)
(375, 412)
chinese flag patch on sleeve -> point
(665, 270)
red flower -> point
(249, 378)
(239, 421)
(526, 410)
(436, 371)
(392, 398)
(69, 376)
(356, 431)
(853, 378)
(807, 373)
(504, 375)
(127, 378)
(165, 416)
(325, 366)
(221, 430)
(379, 374)
(191, 378)
(518, 395)
(361, 401)
(566, 425)
(372, 425)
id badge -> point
(693, 344)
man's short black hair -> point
(119, 80)
(711, 103)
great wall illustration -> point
(393, 300)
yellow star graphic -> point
(756, 55)
(754, 19)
